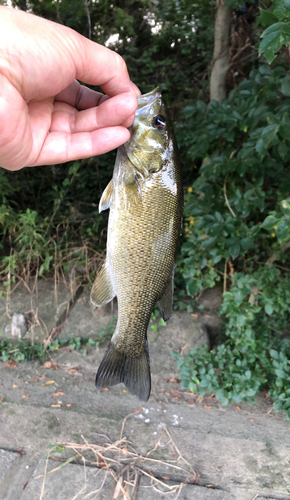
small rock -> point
(18, 325)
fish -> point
(145, 198)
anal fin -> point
(166, 298)
(134, 372)
(102, 291)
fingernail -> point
(134, 89)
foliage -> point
(237, 228)
(63, 231)
(25, 351)
(156, 322)
(277, 32)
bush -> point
(237, 230)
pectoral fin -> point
(106, 198)
(166, 298)
(102, 291)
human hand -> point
(46, 116)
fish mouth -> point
(148, 98)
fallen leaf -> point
(35, 380)
(58, 393)
(55, 406)
(25, 484)
(43, 376)
(51, 364)
(68, 405)
(124, 390)
(60, 402)
(105, 389)
(252, 420)
(238, 408)
(210, 486)
(15, 386)
(20, 450)
(48, 383)
(25, 396)
(208, 407)
(11, 365)
(26, 382)
(166, 478)
(194, 315)
(151, 473)
(1, 399)
(101, 462)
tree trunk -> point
(221, 52)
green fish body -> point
(145, 198)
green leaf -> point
(284, 131)
(234, 251)
(270, 222)
(285, 86)
(280, 373)
(283, 231)
(269, 133)
(274, 37)
(247, 243)
(285, 205)
(241, 319)
(74, 168)
(267, 18)
(260, 147)
(283, 149)
(269, 309)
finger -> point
(118, 110)
(80, 97)
(42, 70)
(62, 147)
(130, 120)
(103, 67)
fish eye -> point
(159, 122)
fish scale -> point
(145, 201)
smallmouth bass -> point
(145, 198)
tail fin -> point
(116, 367)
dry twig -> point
(126, 465)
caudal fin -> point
(116, 367)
